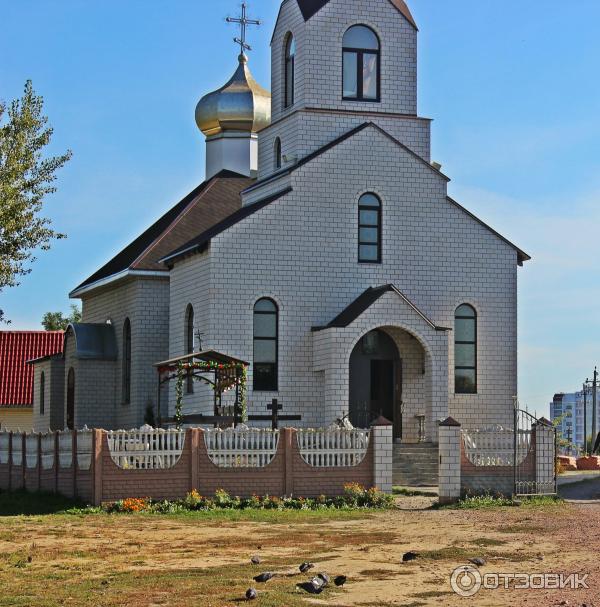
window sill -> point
(355, 100)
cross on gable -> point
(243, 22)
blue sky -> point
(512, 86)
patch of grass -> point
(483, 502)
(460, 553)
(432, 594)
(413, 492)
(175, 587)
(23, 502)
(380, 574)
(537, 501)
(487, 541)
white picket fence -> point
(333, 447)
(17, 450)
(241, 448)
(4, 438)
(146, 448)
(48, 441)
(65, 449)
(495, 447)
(84, 449)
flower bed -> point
(355, 497)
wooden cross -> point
(274, 408)
(243, 22)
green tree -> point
(26, 178)
(56, 321)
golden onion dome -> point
(240, 105)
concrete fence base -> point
(102, 480)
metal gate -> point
(534, 451)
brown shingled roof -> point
(208, 204)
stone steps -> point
(415, 465)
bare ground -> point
(150, 560)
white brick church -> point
(322, 249)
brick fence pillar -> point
(449, 450)
(288, 436)
(194, 434)
(381, 437)
(97, 448)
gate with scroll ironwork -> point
(534, 455)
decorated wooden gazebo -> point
(220, 371)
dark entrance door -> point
(71, 399)
(376, 381)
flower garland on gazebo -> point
(237, 376)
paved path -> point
(586, 491)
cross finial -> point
(243, 22)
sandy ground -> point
(81, 555)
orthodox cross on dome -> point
(243, 22)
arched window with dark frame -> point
(290, 71)
(369, 228)
(189, 342)
(277, 153)
(126, 379)
(266, 350)
(361, 64)
(42, 393)
(465, 350)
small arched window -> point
(126, 379)
(265, 345)
(42, 393)
(277, 153)
(361, 58)
(290, 70)
(189, 342)
(369, 229)
(465, 350)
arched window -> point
(290, 70)
(265, 345)
(71, 399)
(465, 350)
(126, 388)
(189, 342)
(42, 393)
(277, 153)
(361, 64)
(369, 229)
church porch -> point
(381, 356)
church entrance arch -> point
(376, 381)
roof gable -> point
(309, 8)
(203, 207)
(200, 242)
(521, 255)
(16, 376)
(365, 300)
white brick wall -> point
(145, 301)
(302, 251)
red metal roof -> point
(16, 376)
